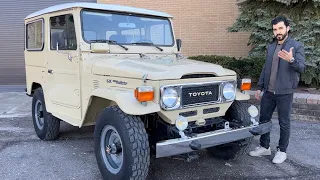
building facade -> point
(202, 26)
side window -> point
(62, 32)
(34, 35)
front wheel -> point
(238, 116)
(121, 145)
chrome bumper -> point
(205, 140)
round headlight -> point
(228, 91)
(170, 97)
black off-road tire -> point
(51, 125)
(236, 114)
(135, 144)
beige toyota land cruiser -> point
(120, 68)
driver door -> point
(63, 67)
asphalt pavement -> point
(71, 156)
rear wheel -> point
(121, 145)
(238, 116)
(45, 124)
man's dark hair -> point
(280, 19)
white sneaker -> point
(279, 157)
(260, 151)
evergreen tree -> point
(304, 16)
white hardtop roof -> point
(109, 7)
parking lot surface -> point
(24, 156)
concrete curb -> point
(301, 98)
(305, 107)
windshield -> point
(126, 28)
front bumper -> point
(205, 140)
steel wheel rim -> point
(38, 109)
(111, 149)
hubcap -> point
(111, 149)
(38, 109)
(114, 148)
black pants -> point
(283, 102)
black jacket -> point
(288, 73)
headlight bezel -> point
(178, 102)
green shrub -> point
(251, 67)
(247, 67)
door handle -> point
(50, 71)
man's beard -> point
(281, 37)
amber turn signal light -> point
(144, 93)
(245, 84)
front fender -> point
(126, 101)
(242, 96)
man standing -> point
(279, 78)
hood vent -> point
(190, 76)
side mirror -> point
(100, 48)
(179, 42)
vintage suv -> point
(120, 68)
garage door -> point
(12, 13)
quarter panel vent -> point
(96, 84)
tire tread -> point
(138, 139)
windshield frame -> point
(131, 14)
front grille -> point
(211, 110)
(188, 113)
(199, 94)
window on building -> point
(34, 35)
(62, 33)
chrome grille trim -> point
(178, 87)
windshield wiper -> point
(148, 43)
(110, 42)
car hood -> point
(155, 68)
